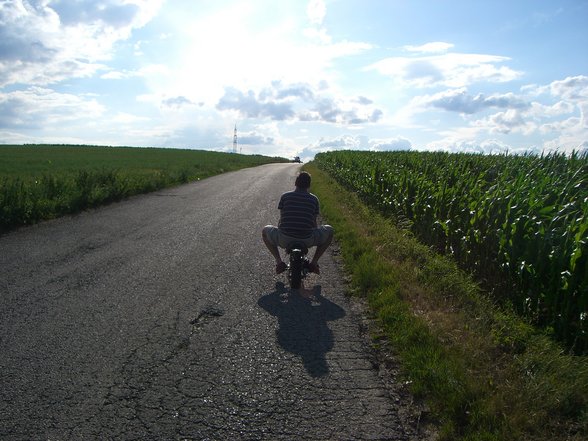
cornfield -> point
(518, 223)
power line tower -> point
(235, 140)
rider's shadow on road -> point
(303, 326)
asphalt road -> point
(160, 317)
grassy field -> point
(39, 182)
(484, 372)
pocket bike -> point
(298, 267)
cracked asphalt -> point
(160, 317)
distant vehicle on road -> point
(297, 159)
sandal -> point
(314, 268)
(281, 267)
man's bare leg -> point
(320, 250)
(273, 249)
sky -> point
(296, 77)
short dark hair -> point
(303, 180)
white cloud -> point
(347, 142)
(16, 138)
(127, 119)
(115, 75)
(450, 70)
(299, 102)
(316, 11)
(357, 142)
(254, 138)
(506, 122)
(562, 123)
(459, 100)
(541, 111)
(433, 47)
(151, 72)
(557, 133)
(583, 114)
(43, 43)
(177, 102)
(37, 107)
(390, 144)
(570, 133)
(11, 137)
(487, 146)
(571, 88)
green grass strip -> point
(484, 373)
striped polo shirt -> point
(298, 212)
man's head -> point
(303, 181)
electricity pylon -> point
(235, 140)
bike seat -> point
(297, 246)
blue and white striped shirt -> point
(298, 212)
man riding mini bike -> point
(297, 231)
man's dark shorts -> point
(320, 236)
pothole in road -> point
(206, 314)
